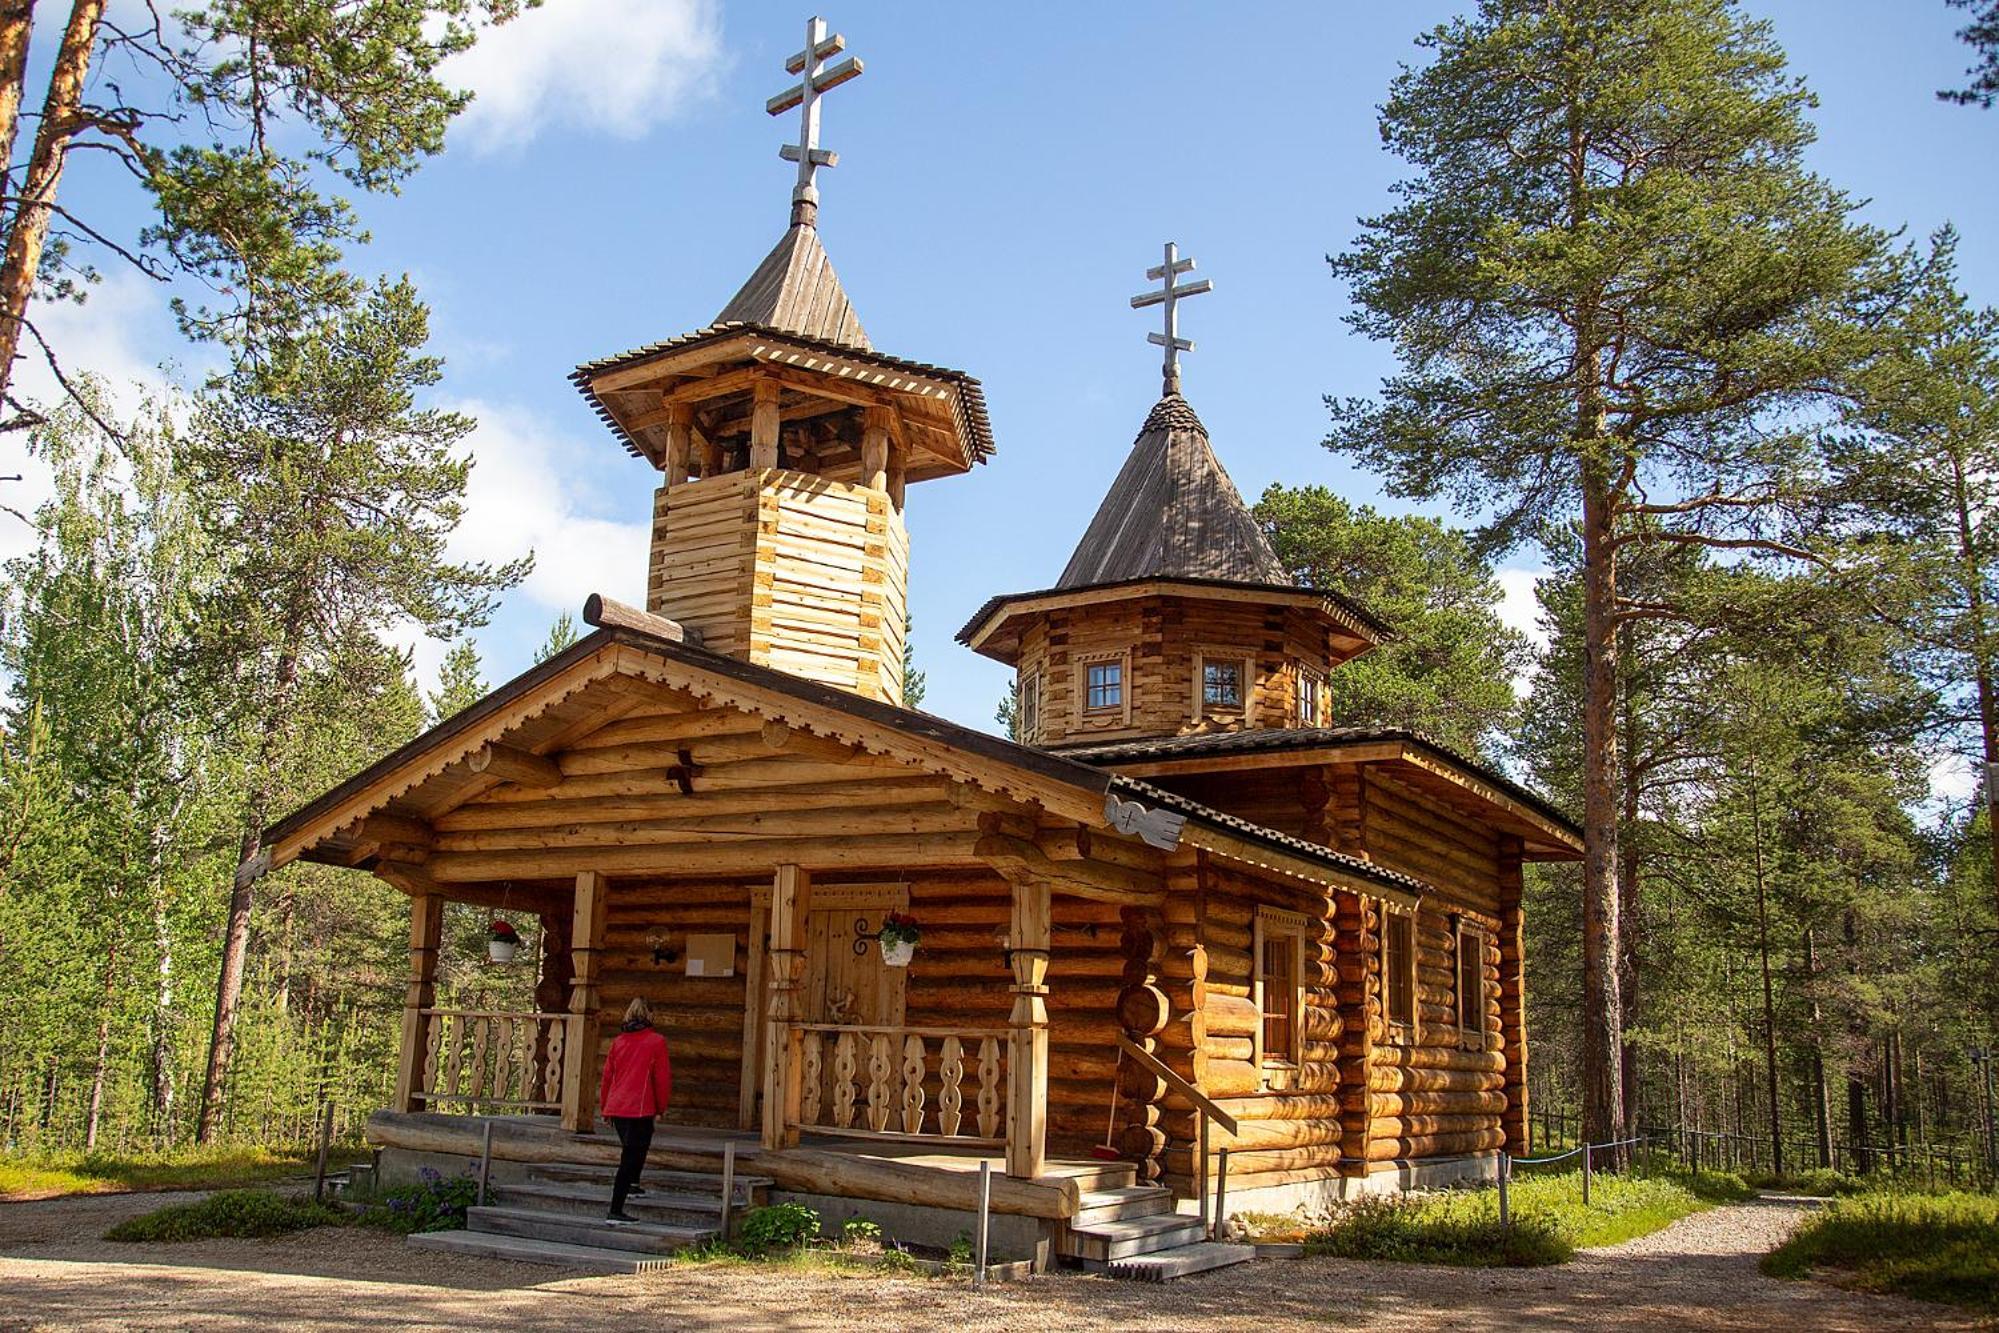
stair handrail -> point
(1201, 1103)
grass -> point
(228, 1213)
(46, 1176)
(1550, 1223)
(1934, 1247)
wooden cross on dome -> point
(816, 79)
(1170, 296)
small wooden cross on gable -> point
(1170, 297)
(817, 78)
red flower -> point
(503, 931)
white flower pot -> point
(899, 953)
(501, 951)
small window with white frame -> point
(1398, 972)
(1103, 685)
(1471, 987)
(1311, 698)
(1279, 949)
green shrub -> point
(230, 1213)
(1819, 1182)
(859, 1231)
(1935, 1247)
(780, 1226)
(436, 1202)
(193, 1167)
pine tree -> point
(459, 682)
(561, 635)
(1982, 35)
(330, 494)
(1618, 298)
(1449, 668)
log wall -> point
(789, 570)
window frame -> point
(1027, 705)
(1244, 664)
(1408, 1029)
(1313, 682)
(1271, 924)
(1472, 1036)
(1121, 658)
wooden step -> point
(1103, 1242)
(1181, 1261)
(1093, 1175)
(577, 1229)
(591, 1200)
(522, 1249)
(750, 1190)
(1117, 1204)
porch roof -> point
(1064, 786)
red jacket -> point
(638, 1075)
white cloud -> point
(612, 66)
(1519, 610)
(518, 498)
(1953, 779)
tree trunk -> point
(1627, 898)
(1982, 653)
(1769, 993)
(28, 227)
(242, 897)
(1602, 1016)
(162, 1057)
(17, 22)
(102, 1063)
(1821, 1097)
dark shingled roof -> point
(1172, 513)
(1262, 740)
(795, 289)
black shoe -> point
(635, 1191)
(619, 1219)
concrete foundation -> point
(1317, 1196)
(1009, 1237)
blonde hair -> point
(638, 1011)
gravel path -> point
(1699, 1273)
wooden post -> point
(753, 1021)
(1221, 1195)
(764, 423)
(679, 442)
(579, 1048)
(426, 928)
(985, 1221)
(1588, 1153)
(325, 1142)
(1513, 998)
(1201, 1175)
(727, 1219)
(898, 470)
(790, 899)
(874, 449)
(1505, 1184)
(1027, 1047)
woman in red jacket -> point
(637, 1083)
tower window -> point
(1311, 698)
(1104, 689)
(1221, 684)
(1027, 711)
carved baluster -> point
(433, 1039)
(505, 1070)
(880, 1063)
(480, 1028)
(808, 1073)
(454, 1052)
(557, 1030)
(950, 1095)
(989, 1088)
(843, 1081)
(912, 1084)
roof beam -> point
(513, 765)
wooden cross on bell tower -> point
(1170, 297)
(815, 79)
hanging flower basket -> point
(899, 937)
(501, 942)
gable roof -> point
(795, 290)
(937, 744)
(1172, 513)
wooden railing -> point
(903, 1082)
(1202, 1103)
(492, 1060)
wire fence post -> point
(984, 1222)
(1201, 1175)
(728, 1189)
(325, 1141)
(1587, 1154)
(485, 1160)
(1505, 1201)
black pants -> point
(635, 1135)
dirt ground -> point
(56, 1272)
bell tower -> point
(786, 445)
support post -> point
(426, 929)
(1027, 1046)
(1505, 1186)
(1221, 1195)
(874, 449)
(790, 899)
(325, 1142)
(764, 423)
(1201, 1175)
(679, 442)
(1589, 1153)
(579, 1049)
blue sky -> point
(1006, 175)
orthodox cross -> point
(1170, 296)
(816, 80)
